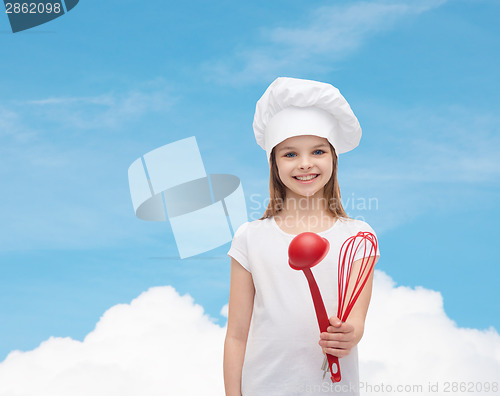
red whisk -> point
(346, 260)
(308, 249)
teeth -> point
(304, 178)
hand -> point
(339, 338)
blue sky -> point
(85, 95)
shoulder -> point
(355, 225)
(250, 227)
(241, 229)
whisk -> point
(307, 250)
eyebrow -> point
(293, 148)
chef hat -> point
(293, 107)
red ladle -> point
(305, 251)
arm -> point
(342, 337)
(241, 294)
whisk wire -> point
(347, 254)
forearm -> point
(358, 314)
(234, 354)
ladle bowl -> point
(306, 250)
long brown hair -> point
(277, 190)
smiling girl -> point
(272, 344)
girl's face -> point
(305, 164)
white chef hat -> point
(293, 107)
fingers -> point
(337, 336)
(337, 343)
(343, 328)
(344, 339)
(340, 353)
(337, 325)
(338, 340)
(334, 321)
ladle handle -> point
(323, 321)
(333, 363)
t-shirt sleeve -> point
(365, 248)
(239, 247)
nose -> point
(305, 162)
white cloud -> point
(416, 161)
(446, 143)
(225, 311)
(330, 34)
(12, 128)
(163, 344)
(409, 340)
(105, 111)
(159, 344)
(71, 153)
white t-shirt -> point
(282, 355)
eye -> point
(289, 155)
(320, 151)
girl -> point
(272, 344)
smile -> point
(305, 178)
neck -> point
(300, 206)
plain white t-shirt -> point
(282, 355)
